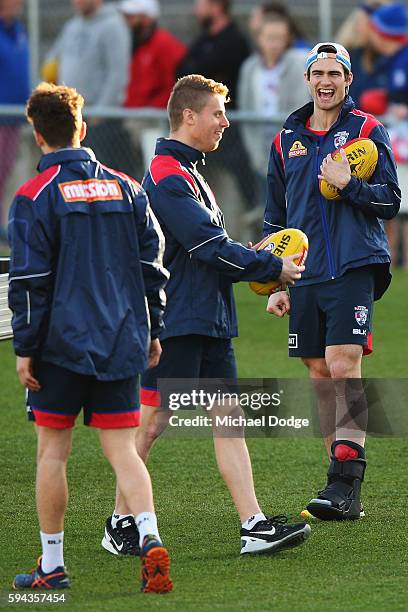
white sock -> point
(147, 525)
(253, 520)
(53, 551)
(117, 517)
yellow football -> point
(283, 243)
(362, 155)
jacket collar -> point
(298, 119)
(179, 150)
(65, 155)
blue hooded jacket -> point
(346, 233)
(86, 252)
(203, 261)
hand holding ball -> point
(283, 243)
(362, 156)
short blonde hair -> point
(192, 92)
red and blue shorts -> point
(109, 404)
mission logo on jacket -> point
(87, 251)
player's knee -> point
(154, 421)
(147, 435)
(317, 368)
(342, 368)
(54, 445)
(48, 456)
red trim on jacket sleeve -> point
(163, 166)
(33, 187)
(277, 141)
(369, 123)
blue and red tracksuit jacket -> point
(203, 261)
(86, 252)
(346, 233)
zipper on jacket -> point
(324, 221)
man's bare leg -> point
(344, 363)
(340, 499)
(235, 468)
(136, 488)
(54, 447)
(132, 476)
(153, 421)
(326, 398)
(53, 450)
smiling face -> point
(327, 83)
(207, 126)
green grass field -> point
(342, 566)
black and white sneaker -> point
(272, 535)
(123, 539)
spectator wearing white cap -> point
(155, 55)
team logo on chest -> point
(361, 314)
(297, 149)
(340, 139)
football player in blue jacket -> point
(331, 307)
(200, 317)
(86, 291)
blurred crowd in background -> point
(118, 55)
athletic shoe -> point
(37, 579)
(123, 539)
(155, 566)
(272, 535)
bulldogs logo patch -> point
(361, 314)
(340, 139)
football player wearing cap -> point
(331, 307)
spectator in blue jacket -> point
(331, 307)
(14, 89)
(389, 35)
(200, 319)
(86, 291)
